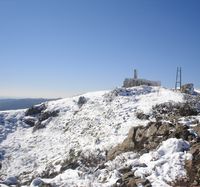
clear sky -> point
(57, 48)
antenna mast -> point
(135, 74)
(178, 79)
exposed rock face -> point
(35, 110)
(193, 169)
(172, 111)
(36, 115)
(197, 129)
(143, 139)
(129, 180)
(31, 121)
(42, 117)
(142, 116)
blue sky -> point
(51, 48)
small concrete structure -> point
(131, 82)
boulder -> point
(187, 88)
(38, 125)
(31, 121)
(35, 110)
(81, 101)
(38, 182)
(11, 181)
(142, 116)
(46, 115)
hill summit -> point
(138, 136)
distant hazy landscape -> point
(14, 104)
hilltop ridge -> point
(88, 140)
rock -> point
(125, 169)
(35, 110)
(72, 165)
(40, 183)
(48, 114)
(127, 176)
(192, 167)
(127, 145)
(31, 121)
(165, 129)
(39, 125)
(36, 115)
(81, 101)
(129, 180)
(142, 116)
(42, 117)
(187, 109)
(197, 129)
(144, 139)
(11, 181)
(188, 88)
(172, 111)
(181, 131)
(37, 183)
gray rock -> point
(81, 101)
(11, 181)
(40, 183)
(35, 110)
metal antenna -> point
(178, 79)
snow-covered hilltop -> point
(109, 138)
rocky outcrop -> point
(36, 115)
(173, 111)
(35, 110)
(31, 121)
(197, 129)
(142, 116)
(143, 139)
(130, 180)
(193, 169)
(81, 101)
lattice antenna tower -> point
(178, 83)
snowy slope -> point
(197, 90)
(101, 123)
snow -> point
(100, 124)
(163, 166)
(197, 90)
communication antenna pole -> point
(178, 79)
(135, 74)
